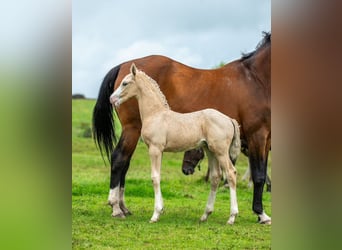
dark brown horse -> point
(240, 89)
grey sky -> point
(200, 33)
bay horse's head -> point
(191, 160)
(127, 88)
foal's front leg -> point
(156, 156)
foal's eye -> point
(124, 83)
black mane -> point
(263, 43)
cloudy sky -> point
(199, 33)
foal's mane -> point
(262, 44)
(155, 88)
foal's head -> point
(127, 88)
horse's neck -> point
(261, 66)
(149, 104)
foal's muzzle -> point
(115, 100)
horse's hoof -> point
(127, 213)
(266, 222)
(120, 216)
(264, 219)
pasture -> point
(184, 201)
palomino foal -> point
(166, 130)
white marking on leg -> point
(209, 208)
(264, 219)
(233, 206)
(155, 155)
(231, 171)
(158, 199)
(114, 201)
(113, 195)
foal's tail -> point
(235, 146)
(103, 123)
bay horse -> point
(240, 89)
(166, 130)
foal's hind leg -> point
(215, 176)
(230, 172)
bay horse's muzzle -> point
(187, 170)
(191, 160)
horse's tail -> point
(103, 123)
(235, 146)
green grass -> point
(184, 201)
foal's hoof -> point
(203, 219)
(231, 219)
(153, 221)
(205, 216)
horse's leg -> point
(122, 190)
(215, 176)
(156, 157)
(268, 183)
(230, 173)
(258, 154)
(119, 165)
(248, 176)
(268, 179)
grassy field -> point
(184, 201)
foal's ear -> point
(133, 69)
